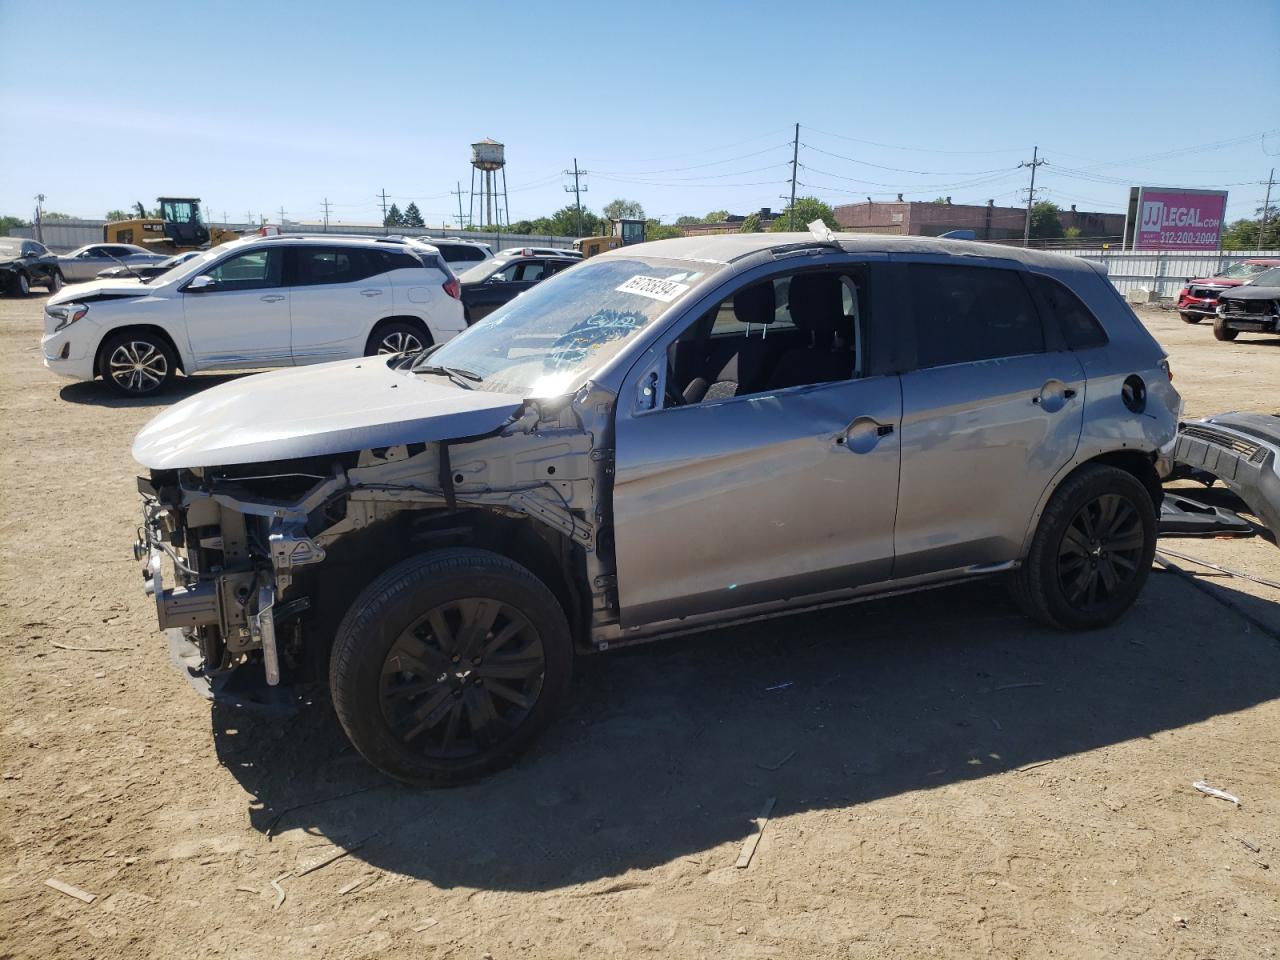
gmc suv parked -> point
(260, 302)
(667, 437)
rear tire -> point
(449, 665)
(1091, 553)
(1191, 317)
(1222, 332)
(397, 336)
(136, 364)
(55, 282)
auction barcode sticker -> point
(653, 288)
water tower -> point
(487, 160)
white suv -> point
(260, 302)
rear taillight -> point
(453, 288)
(1164, 365)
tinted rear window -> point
(1080, 328)
(460, 254)
(965, 314)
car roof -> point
(727, 248)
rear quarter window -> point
(966, 314)
(1080, 328)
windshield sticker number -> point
(654, 288)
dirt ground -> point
(949, 780)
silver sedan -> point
(84, 263)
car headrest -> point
(755, 304)
(816, 305)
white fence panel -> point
(1164, 272)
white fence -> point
(61, 236)
(1163, 272)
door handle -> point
(863, 434)
(1069, 393)
(272, 298)
(370, 293)
(1053, 396)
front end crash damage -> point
(252, 566)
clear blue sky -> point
(685, 107)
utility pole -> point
(458, 194)
(1266, 207)
(40, 217)
(282, 218)
(1031, 192)
(383, 196)
(326, 205)
(795, 157)
(577, 190)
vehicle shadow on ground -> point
(96, 393)
(670, 750)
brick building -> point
(989, 222)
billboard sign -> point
(1170, 218)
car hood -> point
(103, 288)
(314, 411)
(1251, 292)
(1215, 282)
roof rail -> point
(336, 236)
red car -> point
(1199, 298)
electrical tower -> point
(578, 189)
(1031, 191)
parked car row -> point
(664, 438)
(1243, 298)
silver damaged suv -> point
(668, 437)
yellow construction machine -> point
(178, 228)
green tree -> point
(686, 221)
(1243, 234)
(522, 226)
(1045, 224)
(1071, 233)
(750, 225)
(8, 223)
(55, 215)
(394, 217)
(653, 230)
(564, 222)
(807, 210)
(412, 217)
(716, 216)
(114, 215)
(623, 210)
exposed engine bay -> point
(256, 564)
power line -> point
(922, 173)
(1031, 192)
(696, 166)
(890, 146)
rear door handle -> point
(370, 293)
(272, 298)
(863, 434)
(1069, 393)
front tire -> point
(1222, 332)
(449, 665)
(1091, 553)
(397, 336)
(1191, 317)
(21, 286)
(136, 364)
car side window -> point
(252, 270)
(796, 330)
(1080, 328)
(965, 314)
(328, 265)
(531, 271)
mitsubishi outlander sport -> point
(668, 437)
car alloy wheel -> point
(399, 341)
(462, 678)
(137, 366)
(1100, 552)
(55, 283)
(24, 285)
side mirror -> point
(201, 283)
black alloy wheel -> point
(1100, 552)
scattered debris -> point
(775, 766)
(426, 924)
(1019, 686)
(280, 894)
(67, 646)
(243, 889)
(749, 848)
(1252, 846)
(1031, 766)
(1239, 575)
(1180, 922)
(71, 891)
(336, 854)
(1260, 862)
(1183, 517)
(1215, 792)
(780, 686)
(312, 803)
(742, 931)
(355, 884)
